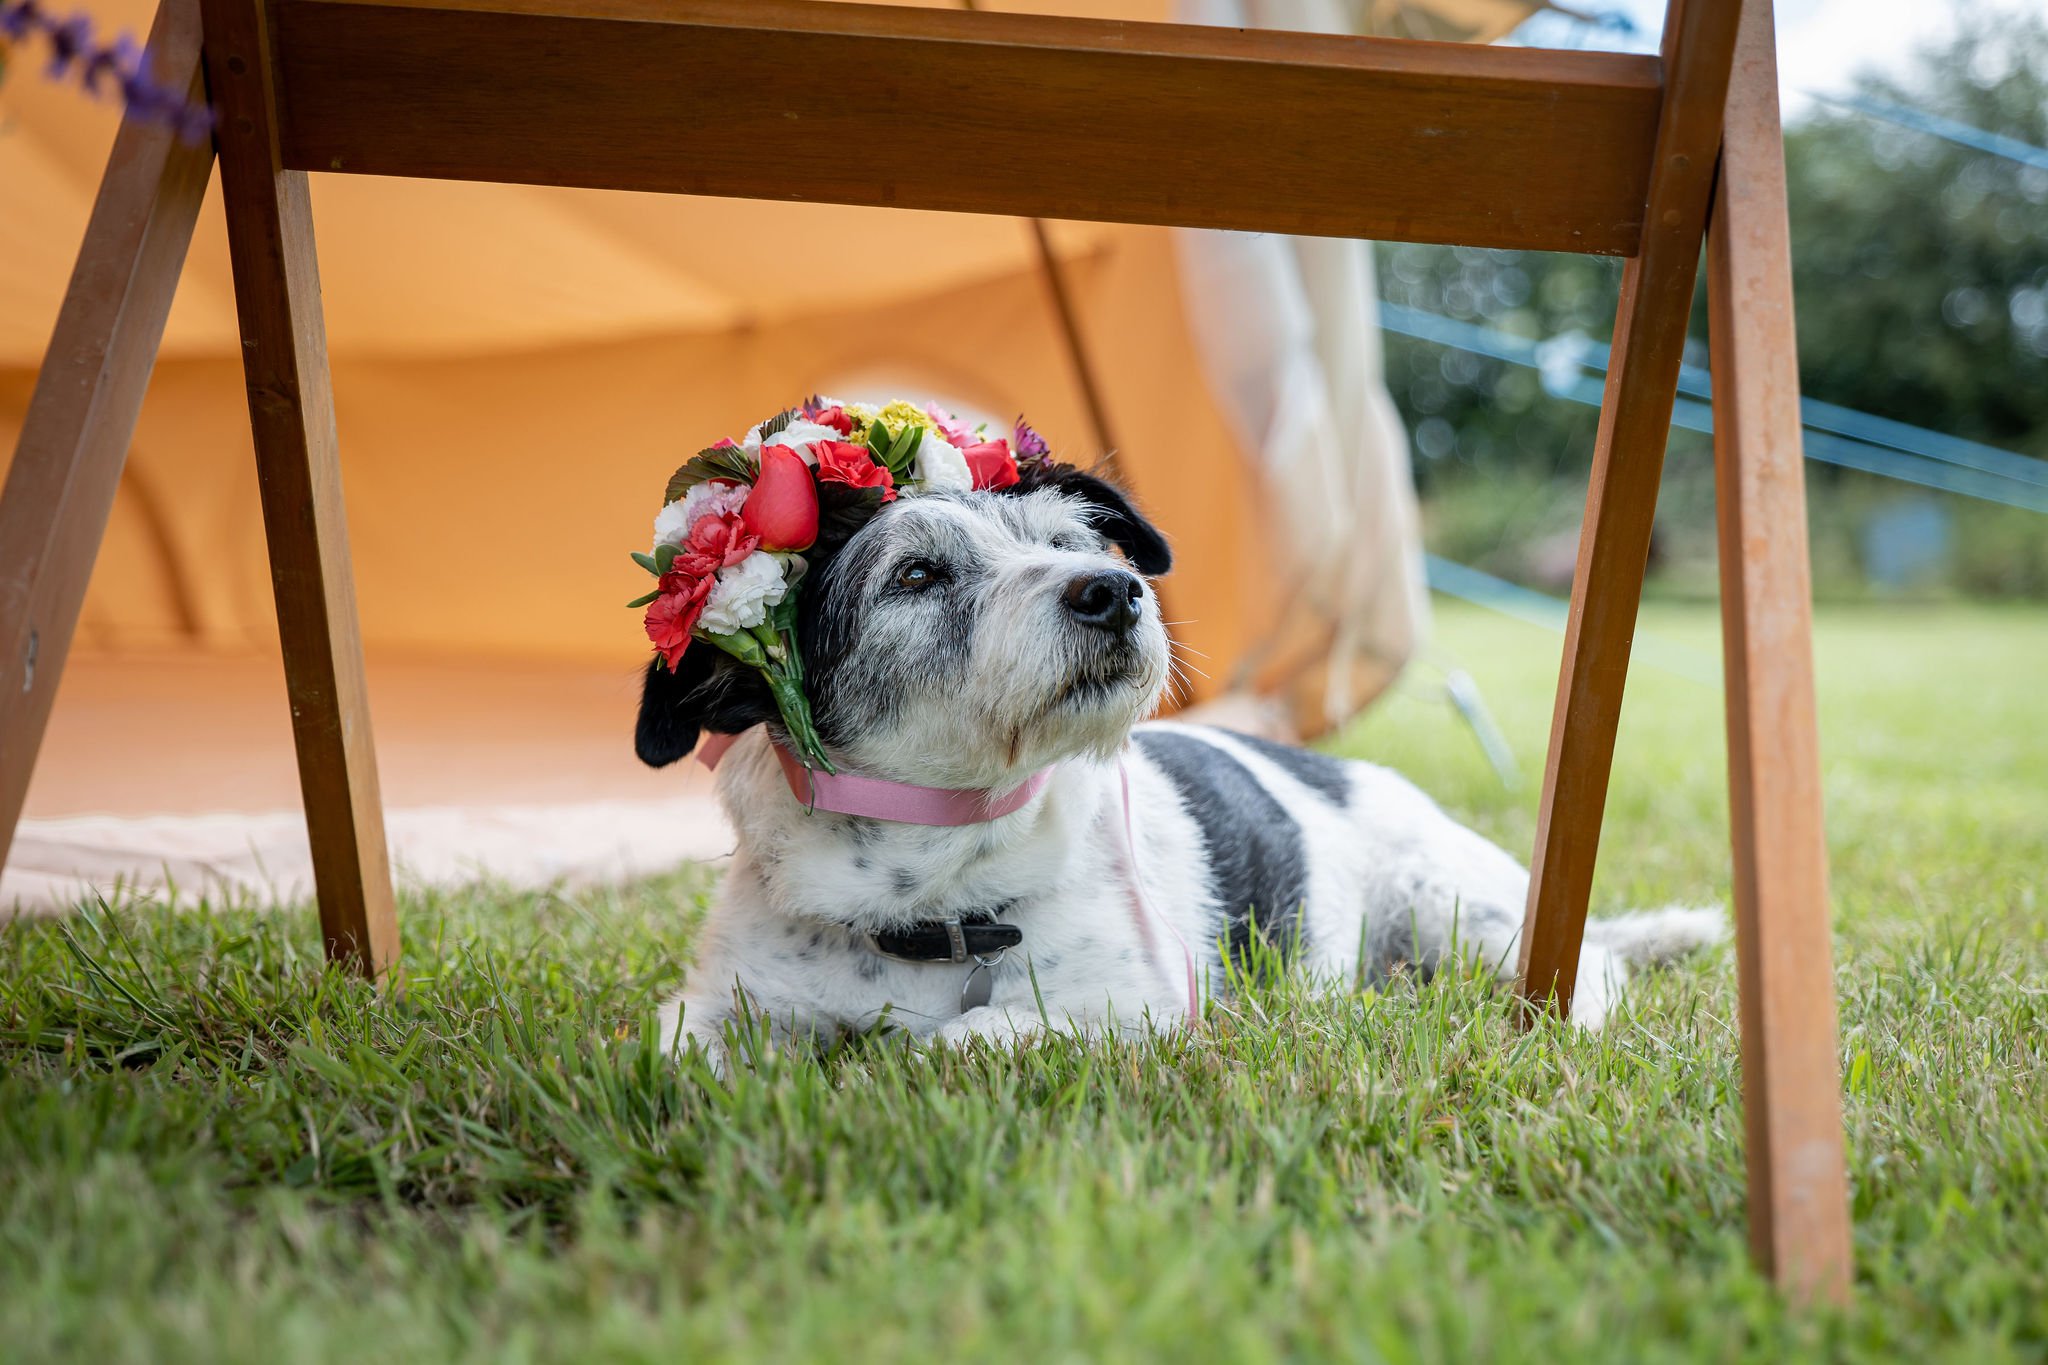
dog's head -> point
(958, 639)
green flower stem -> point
(795, 656)
(785, 684)
(796, 718)
(745, 648)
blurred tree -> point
(1920, 270)
(1920, 267)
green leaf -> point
(878, 444)
(643, 601)
(646, 562)
(664, 557)
(778, 423)
(730, 463)
(903, 450)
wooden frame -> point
(1502, 147)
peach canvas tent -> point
(517, 369)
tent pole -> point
(88, 394)
(1050, 267)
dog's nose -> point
(1108, 600)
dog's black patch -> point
(853, 691)
(1320, 773)
(1258, 870)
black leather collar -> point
(957, 938)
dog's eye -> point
(918, 573)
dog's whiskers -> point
(1179, 662)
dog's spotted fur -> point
(976, 674)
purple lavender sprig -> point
(75, 55)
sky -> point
(1821, 43)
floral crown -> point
(744, 520)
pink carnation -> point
(956, 431)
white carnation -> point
(799, 434)
(940, 466)
(743, 594)
(672, 525)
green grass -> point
(211, 1149)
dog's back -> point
(1351, 871)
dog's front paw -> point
(684, 1028)
(990, 1023)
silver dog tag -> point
(980, 983)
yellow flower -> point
(902, 414)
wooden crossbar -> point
(979, 113)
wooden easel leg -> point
(60, 488)
(291, 410)
(1621, 501)
(1791, 1077)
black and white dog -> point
(971, 640)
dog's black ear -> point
(670, 713)
(709, 690)
(1114, 515)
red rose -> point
(844, 462)
(722, 537)
(671, 616)
(835, 417)
(783, 508)
(991, 464)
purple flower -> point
(115, 58)
(68, 42)
(17, 19)
(75, 54)
(1028, 444)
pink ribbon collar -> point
(879, 799)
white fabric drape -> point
(1288, 332)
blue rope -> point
(1838, 435)
(1468, 584)
(1947, 129)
